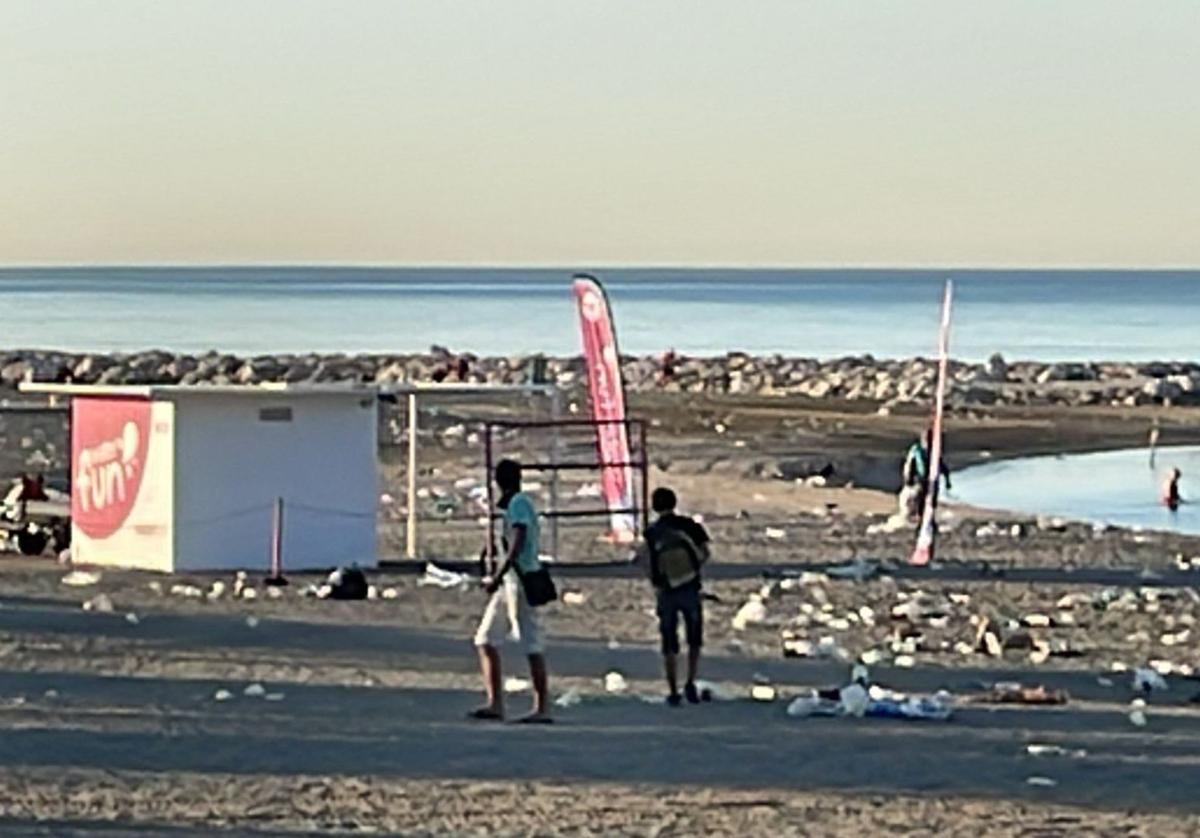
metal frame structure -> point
(412, 393)
(641, 463)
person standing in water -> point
(1170, 490)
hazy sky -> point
(943, 132)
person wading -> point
(515, 589)
(675, 548)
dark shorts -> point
(681, 602)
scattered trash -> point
(347, 583)
(763, 692)
(570, 698)
(249, 593)
(439, 578)
(1015, 693)
(1137, 712)
(1041, 782)
(712, 692)
(390, 593)
(853, 700)
(1147, 680)
(215, 590)
(100, 603)
(186, 591)
(775, 533)
(515, 685)
(1038, 750)
(222, 695)
(798, 648)
(905, 661)
(255, 691)
(614, 682)
(573, 598)
(155, 586)
(132, 619)
(80, 578)
(752, 611)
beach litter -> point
(80, 578)
(437, 577)
(1035, 749)
(1137, 712)
(390, 593)
(100, 603)
(710, 691)
(752, 611)
(573, 598)
(1147, 680)
(515, 685)
(571, 698)
(775, 533)
(1013, 692)
(763, 692)
(132, 618)
(215, 590)
(614, 682)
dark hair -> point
(663, 500)
(508, 474)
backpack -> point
(674, 557)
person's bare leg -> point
(541, 689)
(670, 670)
(490, 670)
(693, 663)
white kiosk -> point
(193, 478)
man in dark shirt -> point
(675, 548)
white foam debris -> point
(80, 578)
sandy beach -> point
(350, 715)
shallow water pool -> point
(1112, 487)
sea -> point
(1060, 315)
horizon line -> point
(584, 267)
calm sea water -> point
(1111, 487)
(1063, 315)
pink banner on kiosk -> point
(109, 441)
(606, 391)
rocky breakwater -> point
(886, 382)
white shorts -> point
(509, 614)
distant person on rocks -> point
(666, 367)
(916, 472)
(508, 609)
(1170, 490)
(675, 549)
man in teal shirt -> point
(508, 610)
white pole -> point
(412, 476)
(555, 413)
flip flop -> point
(486, 714)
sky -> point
(600, 132)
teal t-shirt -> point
(520, 511)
